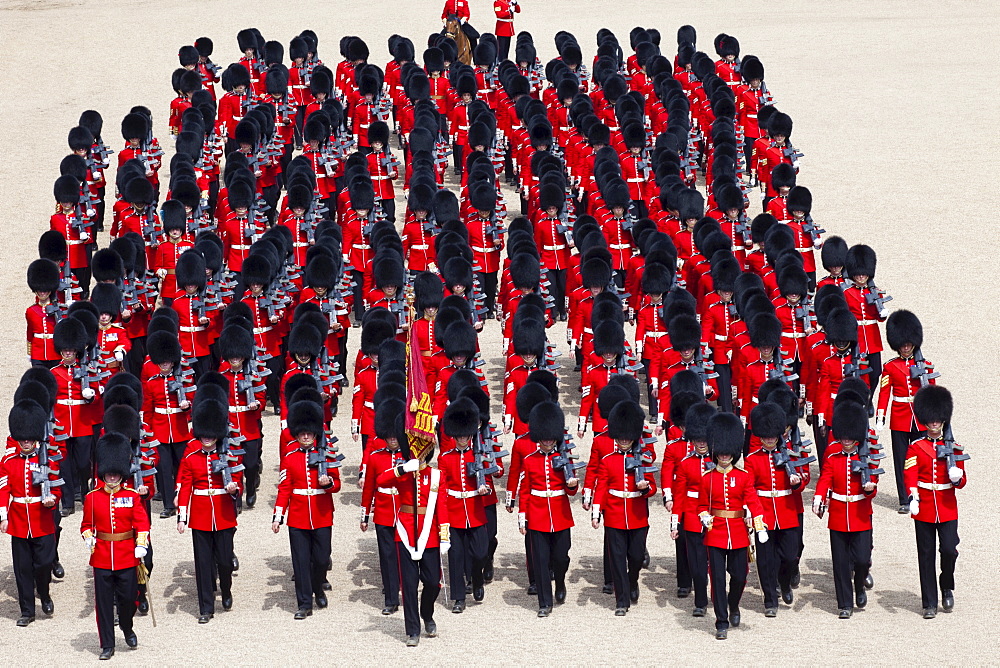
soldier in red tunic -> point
(115, 527)
(934, 469)
(209, 483)
(726, 493)
(625, 482)
(847, 486)
(30, 488)
(308, 479)
(545, 485)
(43, 280)
(505, 10)
(902, 377)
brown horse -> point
(453, 30)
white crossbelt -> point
(548, 493)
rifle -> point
(483, 463)
(324, 457)
(566, 231)
(40, 476)
(862, 465)
(812, 229)
(948, 450)
(248, 383)
(876, 296)
(791, 153)
(804, 311)
(782, 457)
(920, 371)
(136, 471)
(700, 367)
(176, 382)
(149, 227)
(639, 461)
(741, 228)
(853, 369)
(101, 153)
(565, 459)
(223, 464)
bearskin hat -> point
(626, 421)
(305, 417)
(903, 327)
(595, 273)
(684, 332)
(461, 418)
(834, 253)
(210, 419)
(780, 124)
(107, 297)
(799, 199)
(70, 334)
(609, 338)
(725, 436)
(546, 422)
(609, 397)
(933, 403)
(860, 261)
(530, 395)
(428, 291)
(850, 422)
(387, 269)
(459, 338)
(767, 420)
(696, 421)
(841, 325)
(163, 347)
(305, 340)
(123, 419)
(690, 204)
(656, 279)
(389, 417)
(373, 333)
(43, 276)
(27, 421)
(729, 196)
(793, 281)
(783, 176)
(190, 269)
(529, 338)
(114, 455)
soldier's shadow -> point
(367, 577)
(661, 579)
(588, 576)
(284, 597)
(512, 567)
(817, 576)
(896, 601)
(87, 642)
(88, 598)
(181, 594)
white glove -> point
(762, 536)
(120, 355)
(90, 541)
(84, 236)
(955, 474)
(411, 465)
(914, 506)
(706, 521)
(817, 503)
(140, 551)
(883, 314)
(445, 546)
(880, 423)
(87, 393)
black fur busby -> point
(850, 422)
(387, 269)
(546, 422)
(684, 332)
(903, 327)
(609, 338)
(697, 420)
(163, 347)
(210, 419)
(43, 276)
(114, 455)
(834, 253)
(609, 397)
(66, 189)
(257, 270)
(841, 326)
(461, 418)
(70, 334)
(793, 281)
(933, 403)
(107, 297)
(373, 333)
(725, 436)
(459, 339)
(530, 395)
(783, 176)
(525, 272)
(26, 421)
(190, 269)
(305, 417)
(767, 420)
(305, 340)
(625, 421)
(799, 199)
(724, 275)
(428, 291)
(529, 338)
(765, 331)
(595, 273)
(860, 261)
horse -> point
(453, 29)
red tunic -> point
(20, 499)
(505, 10)
(687, 489)
(39, 333)
(928, 474)
(466, 507)
(202, 501)
(300, 496)
(616, 495)
(724, 495)
(380, 504)
(119, 512)
(775, 491)
(544, 494)
(167, 422)
(414, 492)
(897, 385)
(850, 505)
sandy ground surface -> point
(895, 109)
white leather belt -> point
(637, 180)
(902, 400)
(620, 246)
(240, 247)
(867, 322)
(381, 178)
(300, 244)
(654, 335)
(803, 250)
(721, 337)
(421, 247)
(622, 494)
(468, 494)
(847, 499)
(937, 487)
(484, 250)
(548, 493)
(361, 246)
(793, 335)
(71, 402)
(388, 490)
(262, 330)
(42, 336)
(693, 495)
(239, 409)
(191, 330)
(773, 494)
(308, 492)
(210, 492)
(75, 242)
(554, 248)
(588, 330)
(168, 411)
(506, 20)
(26, 499)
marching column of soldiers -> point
(612, 195)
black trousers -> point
(549, 552)
(626, 549)
(650, 390)
(608, 577)
(528, 561)
(467, 556)
(213, 553)
(488, 282)
(112, 588)
(388, 563)
(426, 570)
(725, 381)
(491, 531)
(900, 444)
(697, 555)
(852, 553)
(252, 463)
(875, 364)
(310, 556)
(271, 195)
(557, 287)
(276, 365)
(100, 208)
(136, 356)
(726, 600)
(776, 562)
(683, 567)
(76, 469)
(504, 47)
(201, 365)
(33, 559)
(820, 439)
(947, 539)
(166, 471)
(457, 153)
(359, 291)
(389, 209)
